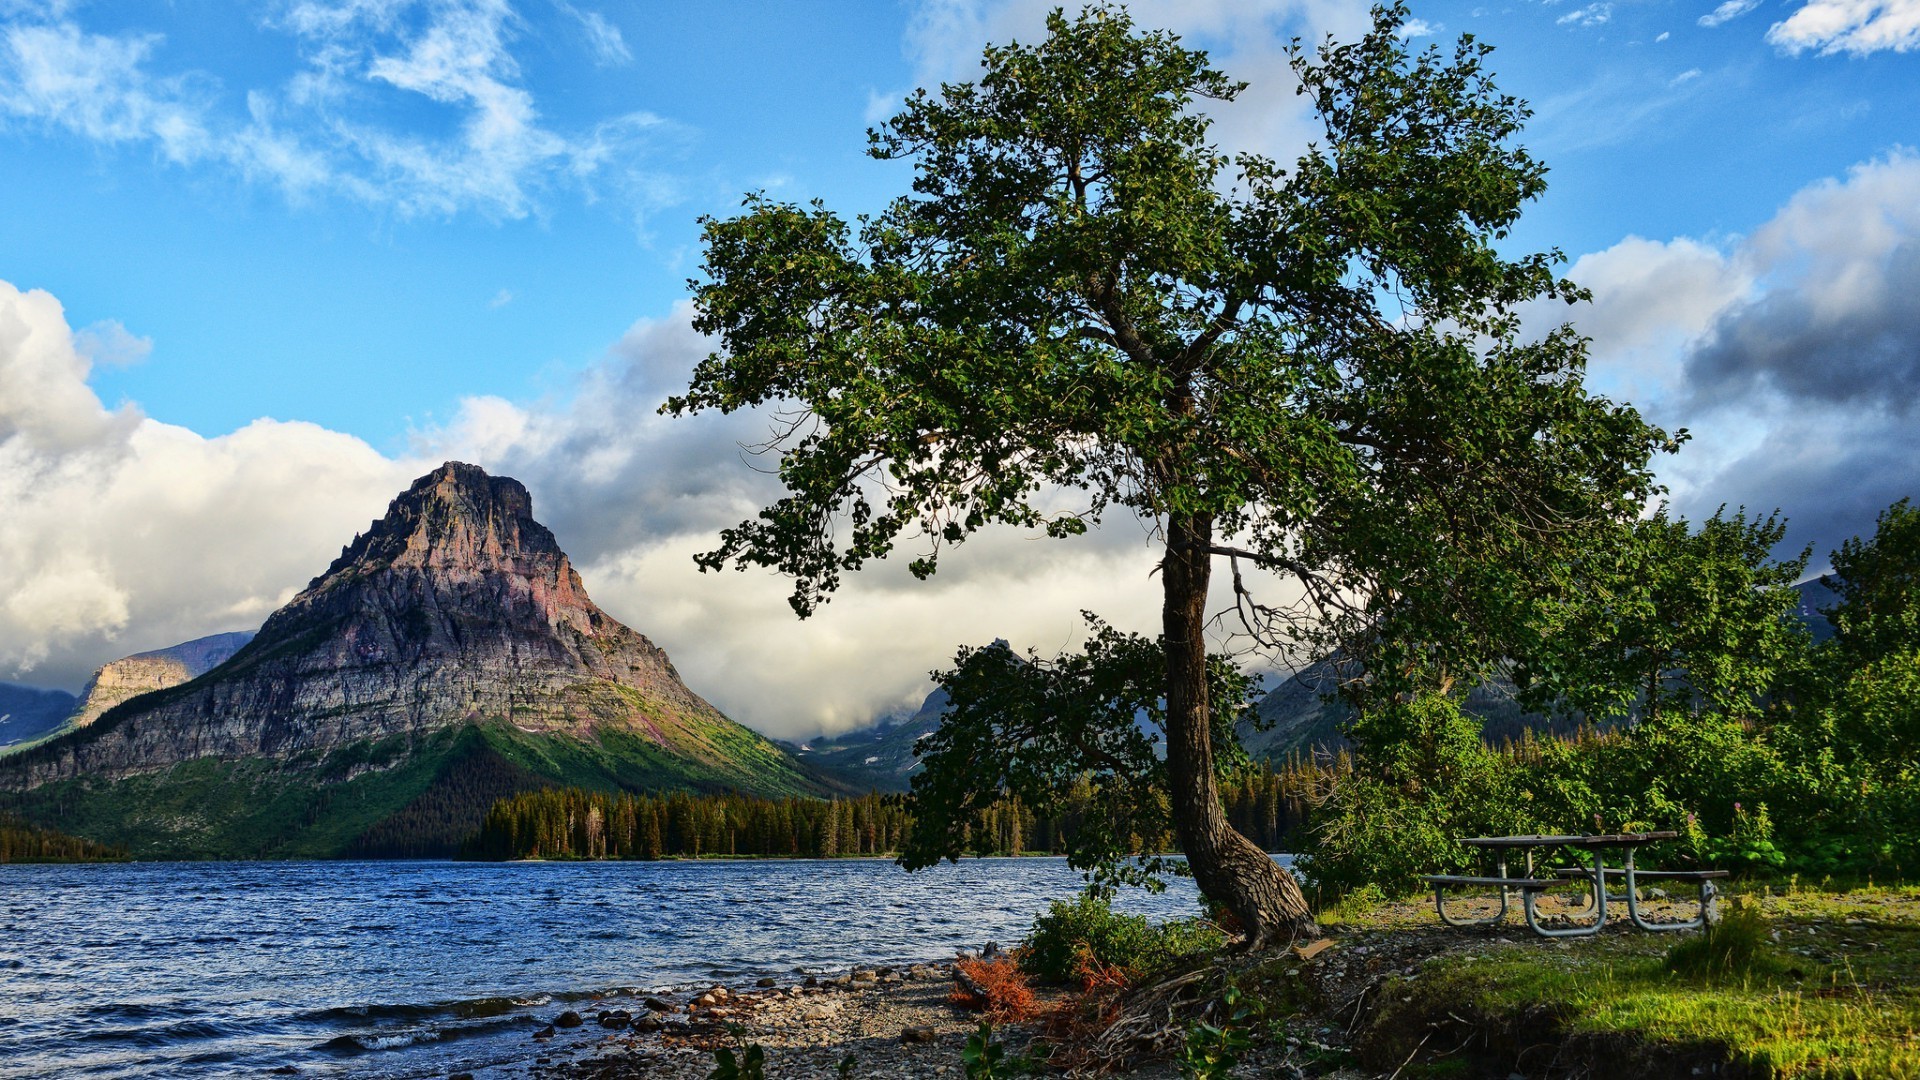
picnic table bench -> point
(1530, 886)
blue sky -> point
(280, 256)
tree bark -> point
(1230, 869)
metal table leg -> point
(1600, 915)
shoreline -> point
(894, 1021)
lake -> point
(405, 969)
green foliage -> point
(575, 824)
(1733, 949)
(1748, 846)
(1082, 724)
(21, 842)
(1878, 580)
(1689, 622)
(572, 823)
(983, 1055)
(1087, 926)
(1210, 1050)
(1770, 754)
(749, 1064)
(1426, 780)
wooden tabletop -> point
(1601, 840)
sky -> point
(263, 264)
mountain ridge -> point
(453, 630)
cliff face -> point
(455, 607)
(131, 676)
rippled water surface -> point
(407, 969)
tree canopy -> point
(1083, 307)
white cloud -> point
(123, 533)
(1684, 77)
(96, 87)
(1728, 12)
(880, 107)
(1859, 27)
(1591, 15)
(500, 299)
(1418, 28)
(330, 127)
(1664, 35)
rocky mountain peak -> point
(457, 543)
(456, 517)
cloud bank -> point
(1792, 354)
(125, 533)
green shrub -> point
(1088, 926)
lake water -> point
(388, 969)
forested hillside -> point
(580, 824)
(23, 842)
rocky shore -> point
(891, 1022)
(878, 1022)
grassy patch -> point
(1783, 989)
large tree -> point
(1315, 374)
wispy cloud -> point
(1686, 76)
(109, 344)
(1591, 15)
(97, 87)
(1858, 27)
(1728, 12)
(335, 126)
(609, 47)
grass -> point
(1801, 984)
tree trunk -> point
(1230, 869)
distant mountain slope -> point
(883, 757)
(449, 657)
(1815, 596)
(131, 676)
(29, 714)
(1297, 716)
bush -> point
(1086, 934)
(1003, 994)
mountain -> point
(882, 757)
(1815, 597)
(1297, 716)
(450, 656)
(131, 676)
(29, 714)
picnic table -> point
(1531, 885)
